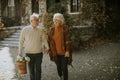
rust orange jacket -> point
(66, 42)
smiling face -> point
(58, 19)
(35, 22)
(57, 22)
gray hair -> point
(59, 16)
(33, 16)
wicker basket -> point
(22, 67)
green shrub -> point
(8, 22)
(57, 8)
(104, 16)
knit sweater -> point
(33, 40)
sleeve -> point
(68, 44)
(67, 39)
(21, 41)
(45, 40)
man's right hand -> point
(20, 54)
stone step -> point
(9, 42)
(9, 45)
(11, 39)
(14, 36)
(16, 33)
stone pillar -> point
(27, 5)
(0, 11)
(42, 7)
(11, 6)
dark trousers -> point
(62, 66)
(35, 65)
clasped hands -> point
(66, 53)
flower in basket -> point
(22, 64)
(23, 59)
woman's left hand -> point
(67, 54)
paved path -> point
(96, 63)
(6, 64)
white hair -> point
(59, 16)
(33, 16)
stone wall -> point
(83, 33)
(8, 31)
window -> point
(75, 5)
(51, 3)
(35, 6)
(57, 1)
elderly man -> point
(33, 39)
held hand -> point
(67, 54)
(46, 51)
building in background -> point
(20, 10)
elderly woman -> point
(60, 44)
(32, 38)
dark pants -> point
(62, 66)
(35, 66)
